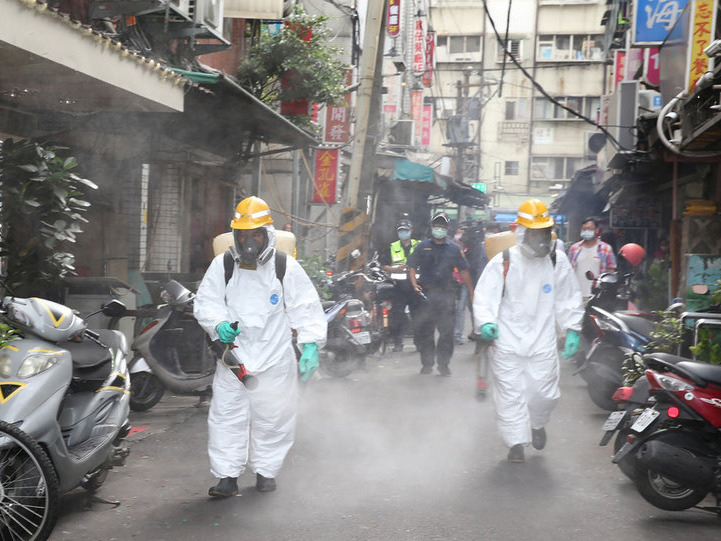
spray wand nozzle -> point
(245, 377)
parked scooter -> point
(172, 352)
(618, 335)
(676, 440)
(64, 391)
(373, 287)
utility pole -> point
(367, 69)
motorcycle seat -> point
(88, 353)
(637, 324)
(707, 372)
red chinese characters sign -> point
(419, 53)
(702, 25)
(416, 112)
(426, 122)
(427, 78)
(393, 18)
(326, 176)
(337, 117)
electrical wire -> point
(542, 90)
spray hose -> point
(238, 368)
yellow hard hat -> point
(251, 213)
(533, 214)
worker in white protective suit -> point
(256, 428)
(523, 294)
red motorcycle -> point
(676, 441)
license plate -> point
(613, 420)
(645, 419)
(363, 337)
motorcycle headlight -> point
(36, 364)
(6, 365)
(673, 384)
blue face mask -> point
(404, 234)
(587, 235)
(439, 232)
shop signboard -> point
(325, 176)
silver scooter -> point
(172, 352)
(64, 393)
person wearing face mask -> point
(523, 294)
(395, 262)
(590, 254)
(430, 271)
(255, 428)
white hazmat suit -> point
(538, 297)
(257, 428)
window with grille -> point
(545, 109)
(510, 168)
(513, 46)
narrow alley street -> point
(383, 454)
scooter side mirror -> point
(590, 275)
(113, 308)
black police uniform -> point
(434, 263)
(403, 295)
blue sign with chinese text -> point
(653, 19)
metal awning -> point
(49, 63)
(232, 118)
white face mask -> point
(457, 236)
(439, 232)
(404, 234)
(587, 235)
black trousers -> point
(436, 314)
(402, 296)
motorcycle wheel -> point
(662, 492)
(600, 390)
(146, 390)
(28, 487)
(338, 363)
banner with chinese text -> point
(325, 175)
(419, 49)
(703, 21)
(393, 18)
(427, 78)
(416, 112)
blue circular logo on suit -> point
(274, 298)
(547, 288)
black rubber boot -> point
(264, 484)
(228, 486)
(515, 454)
(538, 438)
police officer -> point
(434, 260)
(395, 262)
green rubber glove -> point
(489, 331)
(308, 361)
(226, 333)
(571, 346)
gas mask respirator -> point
(537, 242)
(248, 247)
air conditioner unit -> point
(184, 8)
(594, 142)
(649, 101)
(402, 133)
(209, 13)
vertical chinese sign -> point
(337, 118)
(419, 52)
(393, 18)
(703, 21)
(416, 112)
(427, 78)
(326, 175)
(426, 122)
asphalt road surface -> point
(385, 453)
